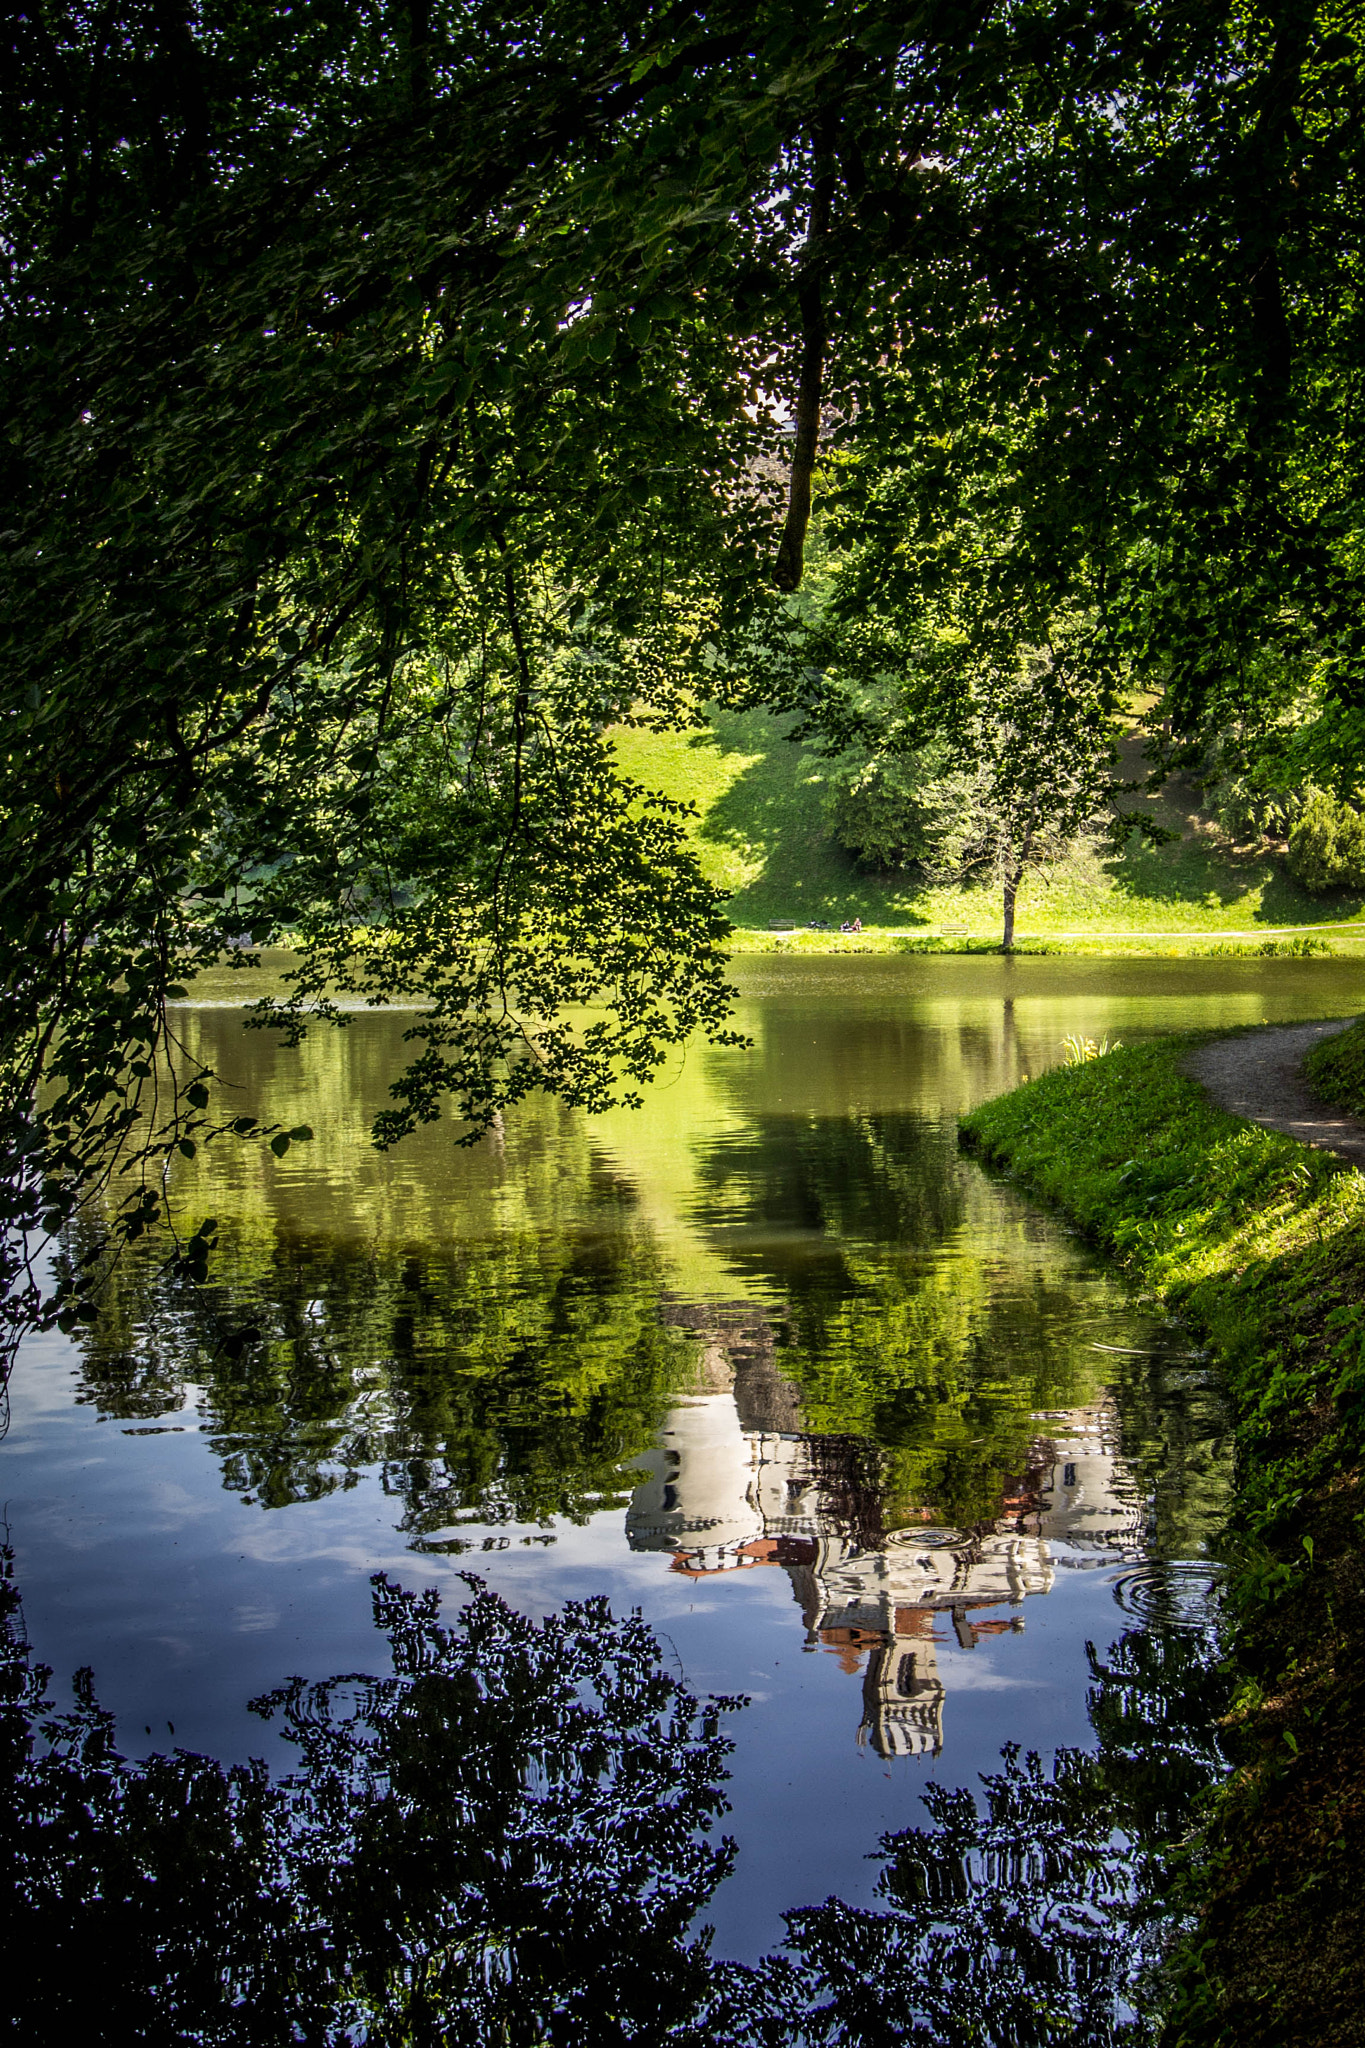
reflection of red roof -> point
(850, 1644)
(686, 1569)
(915, 1621)
(762, 1550)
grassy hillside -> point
(761, 833)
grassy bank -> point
(761, 832)
(1260, 1244)
(1125, 945)
(1336, 1069)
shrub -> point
(1327, 846)
(893, 810)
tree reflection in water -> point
(1047, 1917)
(508, 1840)
(505, 1840)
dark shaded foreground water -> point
(864, 1436)
(508, 1838)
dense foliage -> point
(397, 396)
(1132, 429)
(1327, 845)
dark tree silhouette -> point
(507, 1841)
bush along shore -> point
(1258, 1243)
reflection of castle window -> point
(670, 1500)
(1069, 1476)
(908, 1682)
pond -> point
(863, 1433)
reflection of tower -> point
(733, 1481)
(902, 1691)
(721, 1498)
(700, 1492)
(1086, 1498)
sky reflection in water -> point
(769, 1361)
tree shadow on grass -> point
(1200, 870)
(773, 816)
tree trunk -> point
(1014, 875)
(1011, 889)
(791, 554)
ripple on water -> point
(1170, 1594)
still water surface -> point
(865, 1434)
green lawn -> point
(761, 834)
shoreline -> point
(1272, 942)
(1258, 1242)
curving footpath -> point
(1258, 1077)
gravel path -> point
(1258, 1077)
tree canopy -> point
(396, 396)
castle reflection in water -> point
(735, 1485)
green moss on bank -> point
(1336, 1069)
(1260, 1243)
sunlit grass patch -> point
(1179, 1189)
(761, 831)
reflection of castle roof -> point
(888, 1602)
(723, 1498)
(933, 1568)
